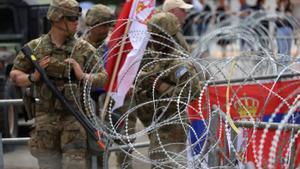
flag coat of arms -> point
(266, 102)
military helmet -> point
(98, 14)
(60, 8)
(164, 22)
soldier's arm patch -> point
(180, 71)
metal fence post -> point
(293, 153)
(233, 135)
(1, 153)
(94, 161)
(213, 157)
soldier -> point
(169, 85)
(58, 140)
(99, 21)
(179, 9)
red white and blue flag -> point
(136, 13)
(256, 101)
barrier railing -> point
(4, 102)
(211, 161)
(252, 124)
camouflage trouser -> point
(173, 144)
(58, 142)
(123, 159)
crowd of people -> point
(199, 23)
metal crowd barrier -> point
(9, 140)
(11, 101)
(212, 161)
(256, 124)
(261, 125)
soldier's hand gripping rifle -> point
(96, 134)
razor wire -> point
(257, 56)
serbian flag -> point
(197, 135)
(135, 13)
(265, 101)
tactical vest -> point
(59, 73)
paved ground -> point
(20, 158)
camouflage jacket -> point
(179, 74)
(59, 72)
(100, 47)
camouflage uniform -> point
(99, 15)
(182, 42)
(58, 140)
(179, 37)
(123, 160)
(169, 23)
(177, 75)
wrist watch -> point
(31, 78)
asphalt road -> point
(20, 158)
